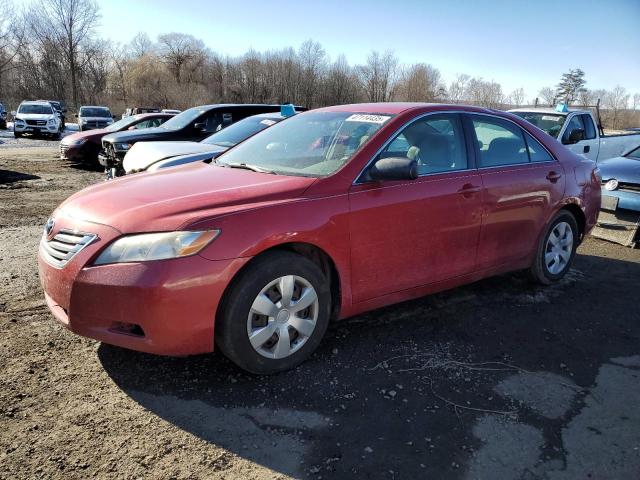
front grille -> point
(95, 124)
(63, 150)
(629, 187)
(64, 246)
(38, 123)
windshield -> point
(312, 144)
(94, 112)
(239, 131)
(183, 119)
(549, 122)
(635, 154)
(35, 109)
(121, 124)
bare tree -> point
(71, 23)
(548, 95)
(636, 101)
(312, 65)
(178, 50)
(484, 93)
(458, 88)
(11, 36)
(141, 45)
(517, 97)
(420, 83)
(378, 76)
(616, 101)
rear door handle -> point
(553, 176)
(468, 188)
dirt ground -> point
(496, 380)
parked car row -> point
(193, 125)
(319, 216)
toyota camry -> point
(329, 214)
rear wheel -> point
(556, 250)
(275, 314)
(17, 135)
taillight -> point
(596, 176)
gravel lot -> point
(496, 380)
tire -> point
(553, 259)
(17, 135)
(236, 315)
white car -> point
(580, 131)
(36, 118)
(91, 117)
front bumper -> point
(619, 218)
(42, 129)
(71, 152)
(165, 307)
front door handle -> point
(553, 176)
(586, 148)
(468, 189)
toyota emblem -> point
(48, 227)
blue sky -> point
(517, 43)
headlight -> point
(19, 120)
(75, 142)
(84, 121)
(52, 121)
(122, 146)
(156, 246)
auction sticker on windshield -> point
(360, 117)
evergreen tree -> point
(571, 85)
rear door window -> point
(537, 153)
(499, 142)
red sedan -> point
(325, 215)
(84, 146)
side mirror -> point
(64, 110)
(13, 113)
(199, 126)
(576, 135)
(394, 168)
(75, 115)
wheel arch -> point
(578, 214)
(310, 251)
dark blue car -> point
(620, 215)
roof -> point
(36, 102)
(550, 110)
(94, 106)
(152, 114)
(394, 108)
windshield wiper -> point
(244, 166)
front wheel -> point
(275, 313)
(17, 135)
(556, 250)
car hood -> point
(626, 170)
(34, 116)
(131, 136)
(96, 119)
(144, 154)
(89, 135)
(177, 197)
